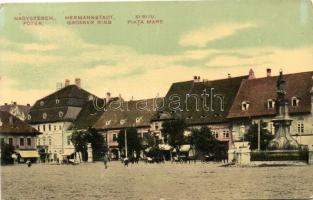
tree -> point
(133, 141)
(252, 136)
(98, 145)
(174, 131)
(79, 140)
(6, 153)
(204, 141)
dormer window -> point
(61, 114)
(245, 105)
(189, 117)
(295, 101)
(57, 101)
(202, 116)
(41, 103)
(270, 103)
(29, 117)
(138, 119)
(44, 116)
(90, 97)
(108, 122)
(122, 121)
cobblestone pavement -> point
(155, 181)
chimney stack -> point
(251, 74)
(229, 75)
(67, 82)
(28, 105)
(78, 82)
(108, 97)
(196, 79)
(14, 103)
(268, 72)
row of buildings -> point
(228, 106)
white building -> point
(256, 101)
(54, 116)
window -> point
(44, 127)
(215, 134)
(29, 141)
(114, 137)
(57, 101)
(41, 103)
(50, 141)
(138, 119)
(61, 114)
(156, 126)
(189, 117)
(38, 128)
(271, 127)
(38, 141)
(245, 105)
(60, 127)
(295, 101)
(2, 140)
(226, 134)
(44, 116)
(108, 122)
(11, 141)
(44, 141)
(68, 140)
(49, 127)
(21, 141)
(122, 121)
(300, 127)
(270, 104)
(55, 127)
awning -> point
(68, 152)
(184, 148)
(165, 147)
(29, 154)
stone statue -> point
(282, 121)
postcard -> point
(157, 100)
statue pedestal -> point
(232, 155)
(89, 151)
(243, 155)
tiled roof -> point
(10, 124)
(258, 91)
(226, 88)
(121, 114)
(16, 110)
(62, 105)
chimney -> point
(251, 74)
(78, 82)
(67, 82)
(5, 104)
(268, 72)
(28, 105)
(196, 79)
(108, 97)
(229, 75)
(14, 103)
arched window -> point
(245, 105)
(295, 101)
(270, 103)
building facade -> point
(54, 116)
(19, 134)
(255, 101)
(125, 114)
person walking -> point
(105, 161)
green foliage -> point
(204, 141)
(133, 141)
(6, 153)
(79, 140)
(149, 140)
(252, 136)
(174, 131)
(98, 145)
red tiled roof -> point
(258, 91)
(10, 124)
